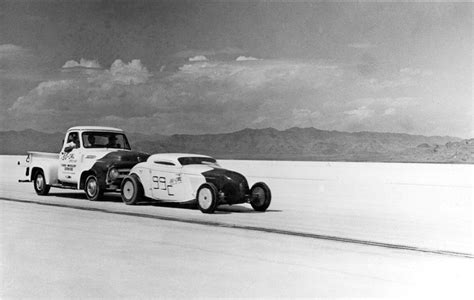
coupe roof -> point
(173, 156)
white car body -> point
(181, 178)
(164, 178)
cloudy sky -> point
(207, 67)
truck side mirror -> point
(68, 149)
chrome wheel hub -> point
(205, 198)
(92, 187)
(258, 196)
(40, 182)
(128, 190)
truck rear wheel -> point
(39, 182)
(92, 188)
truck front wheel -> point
(39, 182)
(92, 188)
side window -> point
(164, 163)
(72, 141)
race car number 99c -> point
(160, 184)
(191, 178)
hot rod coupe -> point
(181, 178)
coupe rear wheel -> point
(261, 196)
(39, 182)
(92, 188)
(207, 198)
(131, 190)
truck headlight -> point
(113, 174)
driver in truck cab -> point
(113, 142)
(72, 142)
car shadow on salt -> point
(111, 197)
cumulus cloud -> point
(227, 95)
(389, 111)
(114, 91)
(13, 57)
(245, 58)
(198, 58)
(262, 73)
(360, 113)
(83, 63)
(303, 117)
(131, 73)
(196, 52)
(223, 96)
(376, 84)
(8, 50)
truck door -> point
(166, 181)
(69, 159)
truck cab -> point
(92, 158)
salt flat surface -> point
(422, 205)
(61, 253)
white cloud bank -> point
(198, 58)
(217, 96)
(83, 63)
(121, 73)
(245, 58)
(7, 50)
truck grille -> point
(123, 172)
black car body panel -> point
(121, 160)
(233, 185)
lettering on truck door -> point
(69, 159)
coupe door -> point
(166, 182)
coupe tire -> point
(39, 182)
(92, 188)
(131, 190)
(262, 196)
(207, 198)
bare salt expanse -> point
(420, 205)
(427, 205)
(55, 252)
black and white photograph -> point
(257, 149)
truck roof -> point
(94, 128)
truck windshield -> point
(105, 140)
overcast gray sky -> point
(206, 67)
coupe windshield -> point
(105, 140)
(197, 161)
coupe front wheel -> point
(207, 198)
(40, 185)
(261, 196)
(131, 190)
(92, 188)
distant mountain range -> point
(272, 144)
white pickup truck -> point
(93, 158)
